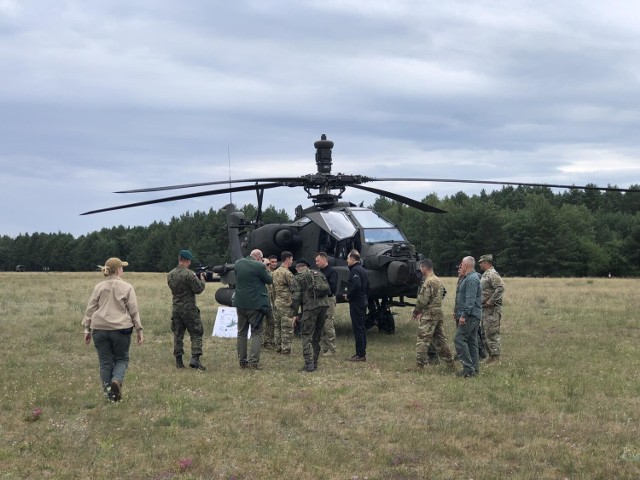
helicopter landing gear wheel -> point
(380, 315)
(387, 324)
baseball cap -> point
(114, 263)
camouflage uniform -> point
(429, 304)
(314, 312)
(328, 338)
(185, 285)
(282, 313)
(492, 291)
(268, 340)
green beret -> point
(186, 254)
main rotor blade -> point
(203, 184)
(493, 182)
(402, 199)
(243, 188)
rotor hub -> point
(323, 154)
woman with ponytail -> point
(111, 316)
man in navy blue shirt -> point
(357, 296)
(469, 311)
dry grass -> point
(564, 403)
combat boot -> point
(179, 362)
(308, 367)
(482, 353)
(195, 363)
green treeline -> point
(530, 230)
(147, 249)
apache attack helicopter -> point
(329, 225)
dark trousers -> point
(466, 342)
(245, 318)
(358, 313)
(113, 354)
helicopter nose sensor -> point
(323, 154)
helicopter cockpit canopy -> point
(335, 223)
(342, 230)
(376, 229)
(340, 225)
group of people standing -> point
(270, 298)
(478, 307)
(282, 301)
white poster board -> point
(226, 324)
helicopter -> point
(329, 225)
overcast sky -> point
(103, 96)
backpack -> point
(317, 284)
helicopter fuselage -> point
(336, 229)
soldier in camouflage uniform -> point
(328, 338)
(492, 291)
(282, 313)
(268, 341)
(314, 312)
(428, 312)
(185, 285)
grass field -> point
(563, 403)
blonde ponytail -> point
(105, 270)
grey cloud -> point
(117, 95)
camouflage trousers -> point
(311, 326)
(328, 339)
(282, 329)
(268, 336)
(431, 334)
(491, 317)
(186, 319)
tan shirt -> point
(113, 306)
(282, 287)
(430, 295)
(492, 288)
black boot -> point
(195, 363)
(308, 367)
(482, 353)
(179, 363)
(432, 355)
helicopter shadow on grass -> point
(344, 330)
